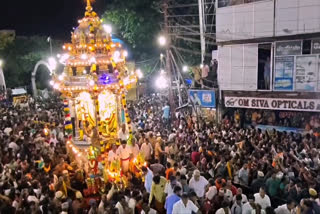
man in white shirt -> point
(286, 208)
(198, 183)
(224, 208)
(147, 210)
(124, 153)
(12, 145)
(262, 198)
(237, 205)
(134, 148)
(247, 208)
(123, 133)
(112, 155)
(148, 177)
(185, 206)
(244, 197)
(212, 190)
(146, 149)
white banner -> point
(273, 103)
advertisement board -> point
(203, 98)
(283, 73)
(312, 105)
(306, 73)
(289, 48)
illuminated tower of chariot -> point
(94, 82)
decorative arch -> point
(34, 73)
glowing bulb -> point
(51, 82)
(91, 82)
(139, 73)
(201, 66)
(162, 40)
(93, 60)
(56, 86)
(185, 68)
(161, 82)
(116, 56)
(60, 77)
(52, 63)
(84, 56)
(58, 56)
(107, 28)
(84, 72)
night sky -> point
(44, 17)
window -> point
(306, 47)
(264, 66)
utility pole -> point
(201, 23)
(168, 64)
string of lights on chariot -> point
(94, 84)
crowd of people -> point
(193, 166)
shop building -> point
(269, 58)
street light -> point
(107, 28)
(185, 68)
(52, 63)
(139, 73)
(161, 82)
(162, 40)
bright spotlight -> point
(107, 28)
(56, 86)
(139, 73)
(162, 41)
(84, 56)
(185, 68)
(161, 82)
(93, 60)
(52, 63)
(116, 56)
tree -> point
(137, 22)
(20, 57)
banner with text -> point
(311, 105)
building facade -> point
(269, 60)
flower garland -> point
(67, 122)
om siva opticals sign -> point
(273, 103)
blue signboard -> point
(284, 67)
(203, 98)
(280, 129)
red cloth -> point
(195, 157)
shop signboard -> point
(284, 68)
(315, 46)
(306, 73)
(203, 98)
(289, 48)
(280, 129)
(226, 3)
(310, 105)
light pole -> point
(50, 65)
(2, 79)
